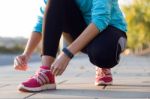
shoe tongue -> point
(45, 67)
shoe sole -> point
(44, 87)
(102, 83)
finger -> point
(56, 71)
(52, 69)
(60, 73)
(63, 69)
(20, 68)
(24, 62)
(24, 68)
(15, 63)
(17, 66)
(20, 61)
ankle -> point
(106, 71)
(47, 61)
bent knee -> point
(104, 58)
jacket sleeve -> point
(39, 21)
(38, 25)
(101, 13)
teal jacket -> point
(100, 12)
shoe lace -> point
(37, 74)
(102, 72)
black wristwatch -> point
(68, 53)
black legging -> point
(64, 16)
(61, 16)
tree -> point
(138, 20)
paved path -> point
(131, 81)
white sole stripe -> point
(102, 83)
(44, 87)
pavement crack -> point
(30, 95)
(4, 85)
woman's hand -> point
(20, 62)
(60, 64)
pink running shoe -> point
(42, 80)
(103, 77)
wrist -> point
(72, 49)
(68, 53)
(28, 55)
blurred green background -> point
(138, 18)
